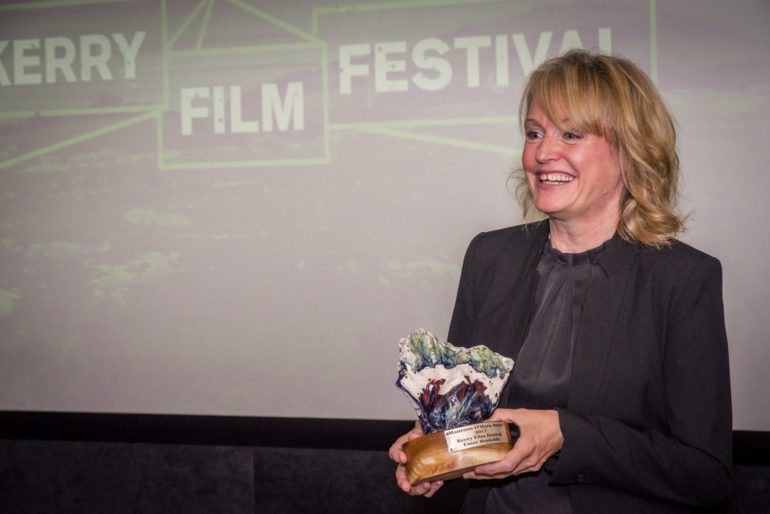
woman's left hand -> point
(539, 437)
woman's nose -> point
(547, 150)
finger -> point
(420, 489)
(402, 480)
(434, 486)
(427, 489)
(506, 466)
(530, 466)
(414, 435)
(494, 468)
(499, 469)
(396, 454)
(472, 475)
(416, 490)
(509, 463)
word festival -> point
(432, 62)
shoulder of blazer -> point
(668, 272)
(509, 244)
(676, 260)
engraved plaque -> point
(458, 439)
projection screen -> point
(239, 207)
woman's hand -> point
(397, 454)
(539, 437)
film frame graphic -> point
(305, 41)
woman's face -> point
(573, 176)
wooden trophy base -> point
(450, 453)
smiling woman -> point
(620, 390)
(597, 97)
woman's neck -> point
(576, 238)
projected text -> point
(62, 59)
(435, 66)
(281, 112)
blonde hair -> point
(613, 98)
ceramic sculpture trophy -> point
(453, 391)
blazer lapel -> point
(593, 344)
(525, 286)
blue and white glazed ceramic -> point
(450, 386)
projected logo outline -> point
(79, 68)
(222, 107)
(282, 105)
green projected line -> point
(197, 165)
(98, 110)
(77, 111)
(442, 122)
(13, 115)
(185, 24)
(326, 102)
(62, 3)
(233, 50)
(383, 6)
(204, 25)
(442, 140)
(653, 41)
(159, 140)
(76, 140)
(276, 22)
(164, 78)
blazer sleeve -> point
(688, 462)
(464, 313)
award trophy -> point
(453, 391)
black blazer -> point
(648, 424)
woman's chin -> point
(548, 208)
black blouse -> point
(542, 371)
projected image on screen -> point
(238, 206)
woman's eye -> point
(533, 134)
(572, 136)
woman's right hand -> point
(397, 455)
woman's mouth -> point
(554, 178)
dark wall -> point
(79, 477)
(240, 465)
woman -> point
(621, 388)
